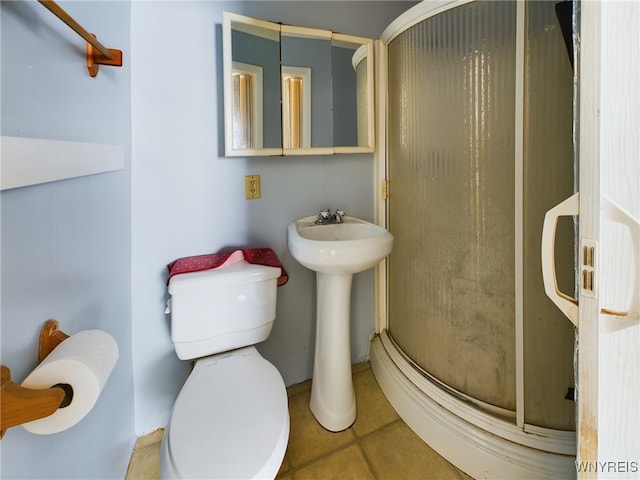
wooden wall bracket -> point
(18, 404)
(97, 54)
(50, 338)
(95, 58)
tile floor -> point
(377, 446)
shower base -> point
(476, 442)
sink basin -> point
(335, 252)
(349, 247)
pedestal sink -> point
(335, 252)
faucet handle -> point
(340, 213)
(323, 217)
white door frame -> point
(609, 132)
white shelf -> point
(30, 161)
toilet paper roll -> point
(84, 361)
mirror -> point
(352, 75)
(251, 63)
(295, 91)
(306, 90)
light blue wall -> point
(188, 198)
(66, 246)
(92, 251)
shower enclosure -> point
(479, 147)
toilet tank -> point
(222, 309)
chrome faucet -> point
(326, 217)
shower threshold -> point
(479, 443)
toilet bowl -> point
(230, 419)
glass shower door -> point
(451, 150)
(459, 231)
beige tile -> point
(374, 411)
(347, 464)
(360, 367)
(398, 453)
(299, 388)
(285, 468)
(307, 439)
(145, 463)
(378, 445)
(149, 439)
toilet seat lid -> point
(231, 419)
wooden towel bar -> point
(97, 54)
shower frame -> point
(476, 440)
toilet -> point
(231, 418)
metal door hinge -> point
(385, 189)
(588, 266)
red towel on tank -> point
(256, 256)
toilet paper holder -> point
(18, 404)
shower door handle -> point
(615, 320)
(567, 304)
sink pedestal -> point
(335, 251)
(333, 400)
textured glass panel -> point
(548, 179)
(451, 167)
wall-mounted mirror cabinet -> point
(295, 91)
